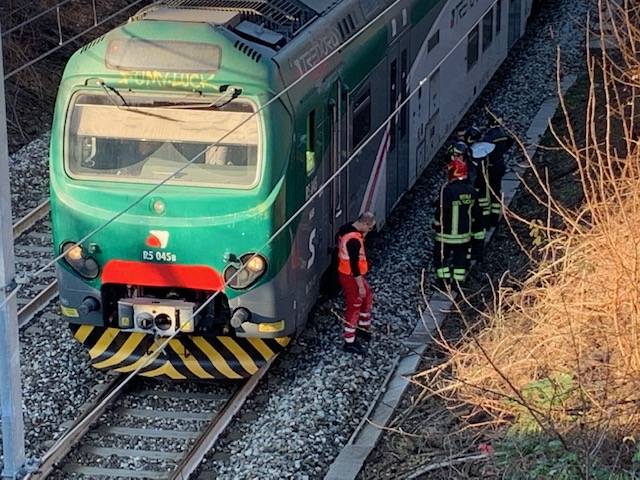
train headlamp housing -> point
(244, 273)
(80, 261)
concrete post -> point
(10, 381)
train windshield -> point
(146, 140)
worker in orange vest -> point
(352, 268)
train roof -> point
(272, 23)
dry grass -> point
(560, 354)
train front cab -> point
(139, 279)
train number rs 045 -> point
(157, 256)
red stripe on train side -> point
(384, 149)
(198, 277)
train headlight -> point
(256, 264)
(243, 274)
(73, 253)
(77, 258)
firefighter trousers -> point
(450, 260)
(495, 182)
(357, 313)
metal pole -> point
(10, 381)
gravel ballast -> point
(29, 172)
(318, 395)
(315, 396)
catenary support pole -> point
(10, 381)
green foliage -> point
(536, 457)
(541, 396)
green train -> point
(185, 79)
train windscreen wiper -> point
(114, 91)
(230, 94)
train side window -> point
(361, 118)
(433, 41)
(498, 16)
(487, 30)
(473, 47)
(310, 154)
(434, 93)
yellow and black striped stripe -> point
(186, 356)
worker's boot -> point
(364, 335)
(354, 347)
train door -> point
(403, 121)
(392, 129)
(431, 132)
(398, 150)
(338, 121)
(515, 20)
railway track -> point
(161, 431)
(32, 246)
(164, 430)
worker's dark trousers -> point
(450, 260)
(476, 248)
(495, 182)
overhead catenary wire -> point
(68, 41)
(153, 355)
(216, 144)
(35, 17)
(101, 227)
(354, 155)
(241, 124)
(16, 290)
(165, 343)
(392, 116)
(276, 97)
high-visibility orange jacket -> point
(352, 261)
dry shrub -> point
(560, 354)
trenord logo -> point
(157, 239)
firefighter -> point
(472, 136)
(352, 268)
(458, 150)
(458, 220)
(457, 143)
(497, 167)
(480, 152)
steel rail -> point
(41, 300)
(31, 218)
(46, 295)
(75, 432)
(218, 425)
(187, 464)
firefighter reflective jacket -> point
(352, 259)
(459, 215)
